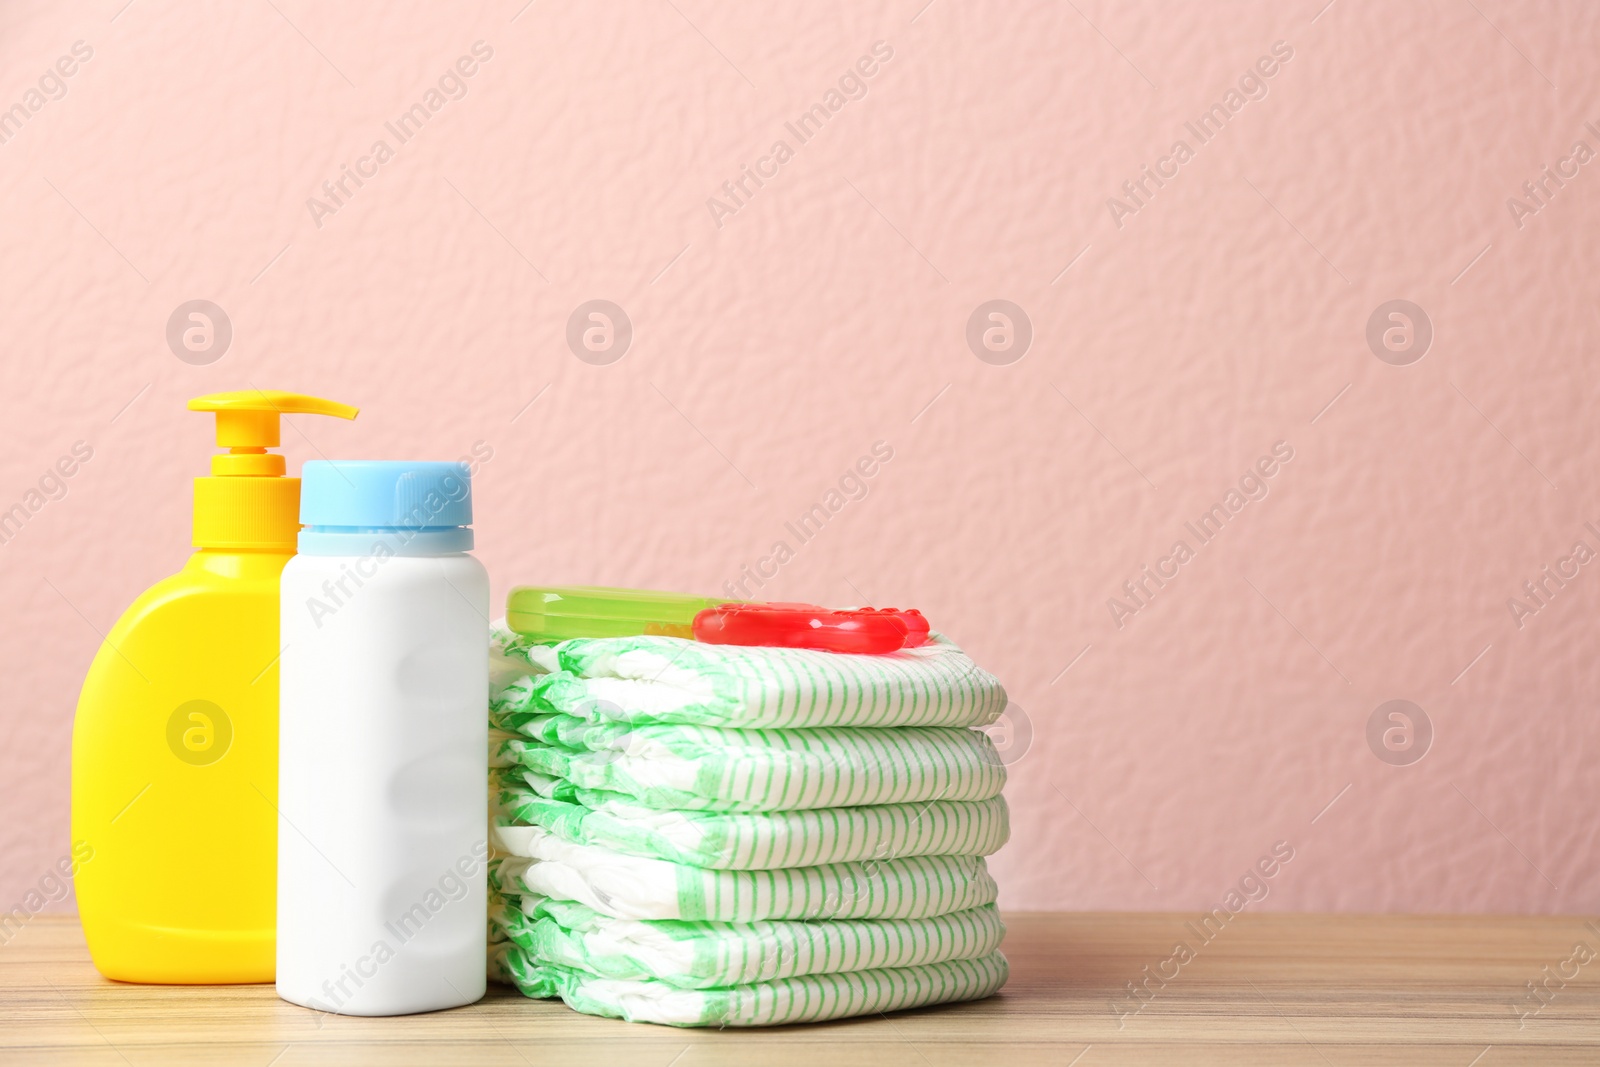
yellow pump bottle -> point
(175, 744)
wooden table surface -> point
(1269, 989)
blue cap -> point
(349, 506)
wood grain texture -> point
(1332, 990)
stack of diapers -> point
(717, 835)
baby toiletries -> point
(383, 836)
(175, 745)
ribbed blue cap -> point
(339, 498)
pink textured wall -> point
(1177, 337)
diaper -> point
(699, 955)
(809, 998)
(762, 840)
(713, 835)
(613, 883)
(667, 679)
(723, 769)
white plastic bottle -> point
(382, 849)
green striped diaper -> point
(511, 654)
(631, 887)
(724, 769)
(761, 840)
(810, 998)
(699, 955)
(668, 679)
(714, 835)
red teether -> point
(865, 631)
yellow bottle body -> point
(175, 778)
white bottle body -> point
(383, 734)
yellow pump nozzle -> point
(248, 418)
(247, 503)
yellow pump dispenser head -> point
(247, 503)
